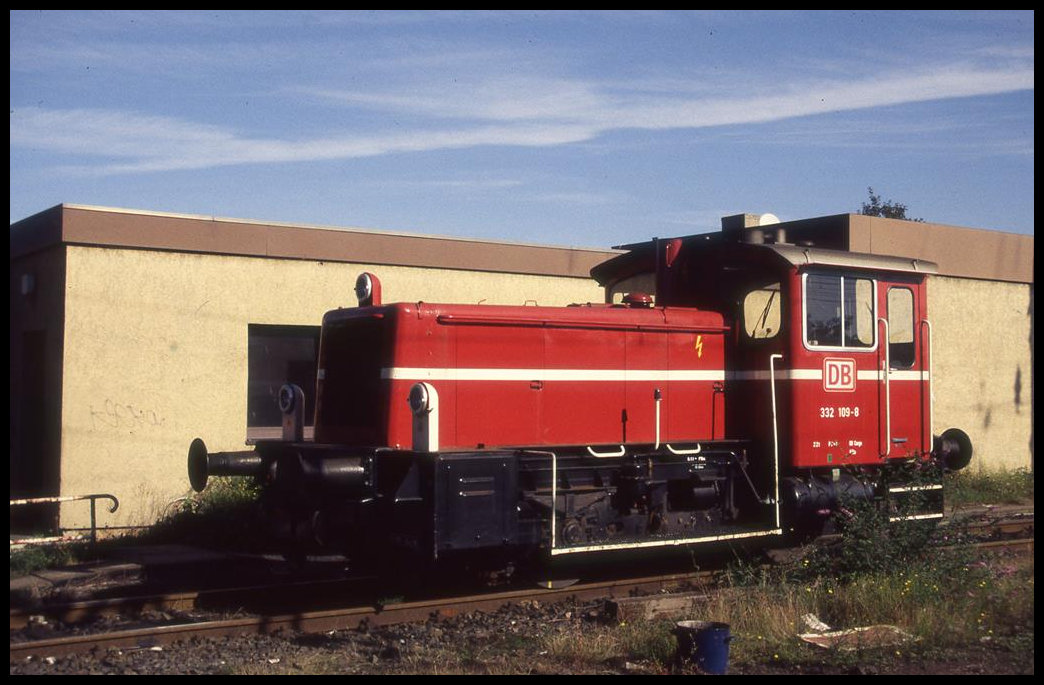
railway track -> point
(372, 614)
(311, 601)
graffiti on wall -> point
(120, 415)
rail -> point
(364, 613)
(69, 498)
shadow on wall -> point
(1029, 313)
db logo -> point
(839, 375)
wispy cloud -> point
(519, 111)
(638, 105)
(457, 184)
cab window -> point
(900, 328)
(761, 312)
(839, 312)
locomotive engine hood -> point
(514, 375)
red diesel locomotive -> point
(768, 383)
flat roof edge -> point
(324, 227)
(129, 229)
(960, 252)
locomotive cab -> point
(829, 368)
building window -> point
(839, 312)
(277, 355)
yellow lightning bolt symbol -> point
(699, 346)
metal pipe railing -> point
(69, 498)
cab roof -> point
(641, 257)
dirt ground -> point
(514, 640)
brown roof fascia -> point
(959, 252)
(105, 227)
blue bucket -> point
(705, 644)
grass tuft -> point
(989, 487)
(227, 515)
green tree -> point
(887, 210)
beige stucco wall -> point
(983, 367)
(156, 354)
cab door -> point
(903, 378)
(757, 407)
(835, 370)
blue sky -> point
(586, 128)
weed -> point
(37, 557)
(989, 487)
(884, 569)
(595, 646)
(226, 515)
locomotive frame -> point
(769, 384)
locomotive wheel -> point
(572, 532)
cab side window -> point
(900, 328)
(762, 312)
(839, 311)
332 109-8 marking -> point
(842, 412)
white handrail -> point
(554, 497)
(554, 493)
(672, 450)
(888, 389)
(657, 398)
(931, 382)
(775, 430)
(593, 453)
